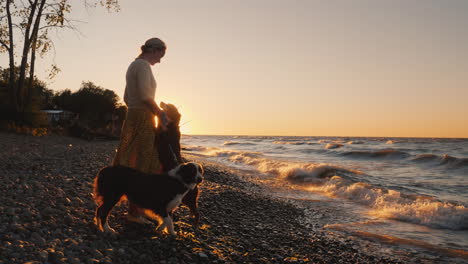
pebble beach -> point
(47, 213)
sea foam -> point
(392, 204)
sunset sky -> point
(290, 67)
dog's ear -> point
(163, 105)
(201, 172)
(175, 110)
(173, 113)
(200, 169)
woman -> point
(136, 149)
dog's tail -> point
(97, 192)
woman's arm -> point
(154, 108)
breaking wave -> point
(392, 204)
(426, 158)
(454, 162)
(195, 148)
(355, 142)
(295, 172)
(446, 160)
(333, 145)
(313, 173)
(292, 171)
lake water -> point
(400, 190)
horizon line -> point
(230, 135)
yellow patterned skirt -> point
(137, 147)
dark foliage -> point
(97, 110)
(40, 97)
(94, 105)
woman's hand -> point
(163, 120)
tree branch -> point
(5, 45)
(10, 27)
(38, 19)
(11, 55)
(34, 44)
(72, 27)
(27, 38)
(19, 27)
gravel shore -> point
(47, 211)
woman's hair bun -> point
(155, 43)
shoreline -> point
(47, 212)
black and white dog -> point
(158, 194)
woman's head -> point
(153, 50)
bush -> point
(35, 119)
(23, 129)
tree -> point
(41, 97)
(94, 104)
(26, 25)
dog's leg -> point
(169, 225)
(191, 200)
(97, 220)
(101, 215)
(108, 229)
(162, 223)
(161, 226)
(136, 214)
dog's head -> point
(171, 112)
(190, 173)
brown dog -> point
(168, 145)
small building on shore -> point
(55, 116)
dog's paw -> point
(108, 229)
(172, 233)
(161, 229)
(164, 230)
(167, 234)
